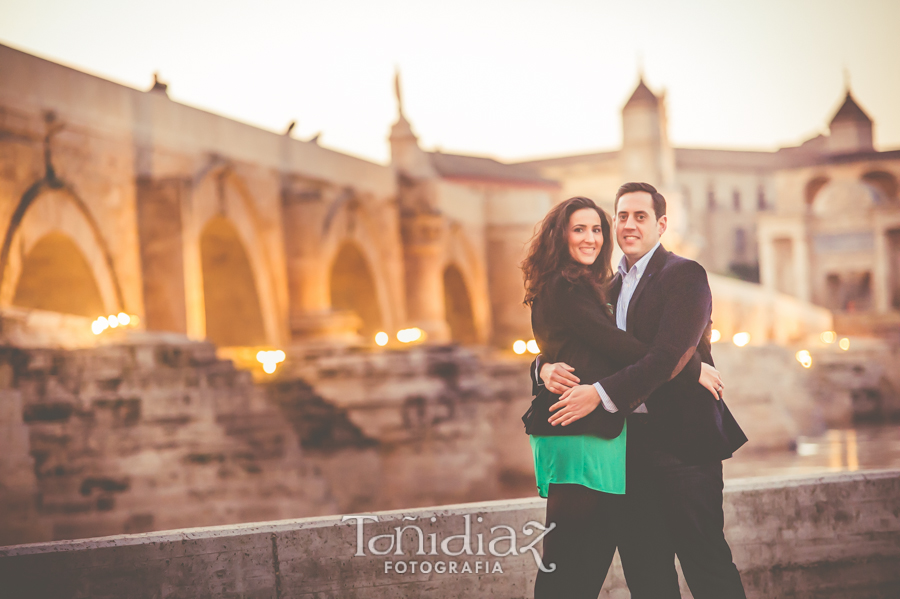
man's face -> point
(637, 228)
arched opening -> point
(57, 277)
(233, 314)
(813, 188)
(353, 288)
(458, 307)
(884, 184)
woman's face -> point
(585, 235)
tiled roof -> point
(594, 158)
(454, 166)
(697, 158)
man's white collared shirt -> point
(630, 280)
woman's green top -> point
(587, 460)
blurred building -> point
(819, 222)
(114, 199)
(119, 200)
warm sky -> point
(507, 78)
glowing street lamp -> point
(533, 347)
(828, 337)
(99, 325)
(519, 347)
(741, 339)
(409, 335)
(844, 344)
(715, 335)
(114, 321)
(381, 338)
(270, 359)
(803, 356)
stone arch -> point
(462, 254)
(56, 276)
(813, 187)
(352, 287)
(231, 302)
(356, 221)
(884, 184)
(55, 209)
(458, 307)
(219, 192)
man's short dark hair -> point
(659, 202)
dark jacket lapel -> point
(615, 288)
(657, 261)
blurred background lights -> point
(409, 335)
(519, 347)
(844, 344)
(381, 338)
(270, 359)
(741, 339)
(533, 347)
(828, 337)
(804, 357)
(715, 335)
(114, 321)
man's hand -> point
(575, 403)
(558, 377)
(712, 380)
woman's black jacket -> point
(572, 325)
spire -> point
(850, 111)
(406, 155)
(158, 85)
(642, 95)
(850, 128)
(397, 91)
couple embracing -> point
(628, 427)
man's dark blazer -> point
(670, 311)
(572, 325)
(671, 307)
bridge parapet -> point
(830, 536)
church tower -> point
(851, 129)
(646, 153)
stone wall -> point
(155, 432)
(832, 537)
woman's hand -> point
(575, 403)
(712, 380)
(558, 377)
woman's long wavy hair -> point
(549, 252)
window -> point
(761, 198)
(740, 244)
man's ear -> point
(662, 223)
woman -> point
(580, 465)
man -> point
(678, 434)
